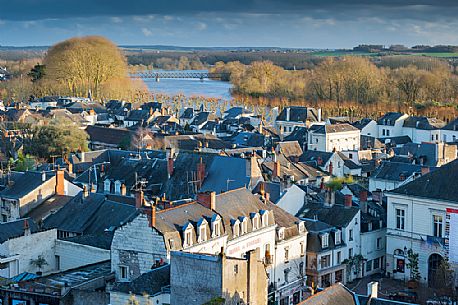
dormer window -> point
(264, 218)
(117, 187)
(281, 233)
(256, 221)
(338, 237)
(187, 242)
(236, 228)
(244, 225)
(202, 231)
(325, 240)
(216, 226)
(301, 227)
(107, 186)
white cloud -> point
(201, 26)
(147, 32)
(143, 18)
(116, 19)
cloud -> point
(116, 19)
(201, 26)
(147, 32)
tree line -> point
(347, 79)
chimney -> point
(170, 166)
(372, 290)
(85, 191)
(277, 170)
(93, 188)
(26, 228)
(363, 201)
(288, 113)
(200, 173)
(60, 182)
(424, 170)
(151, 111)
(260, 129)
(43, 176)
(123, 189)
(207, 199)
(330, 168)
(139, 199)
(348, 200)
(152, 220)
(267, 197)
(163, 111)
(262, 190)
(319, 114)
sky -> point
(229, 23)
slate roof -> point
(368, 142)
(101, 241)
(202, 117)
(440, 184)
(338, 215)
(422, 122)
(290, 149)
(138, 115)
(273, 188)
(389, 118)
(236, 111)
(299, 114)
(362, 123)
(336, 294)
(149, 283)
(398, 140)
(248, 139)
(394, 170)
(313, 156)
(13, 229)
(24, 184)
(113, 136)
(299, 134)
(335, 128)
(48, 207)
(188, 113)
(91, 215)
(453, 125)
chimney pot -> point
(139, 199)
(348, 200)
(277, 169)
(123, 189)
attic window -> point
(325, 240)
(188, 237)
(202, 233)
(244, 226)
(281, 233)
(301, 227)
(216, 228)
(255, 221)
(338, 237)
(265, 219)
(236, 228)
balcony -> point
(434, 240)
(268, 259)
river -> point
(190, 87)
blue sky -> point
(287, 23)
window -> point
(432, 137)
(244, 226)
(171, 244)
(339, 257)
(265, 219)
(350, 252)
(383, 132)
(281, 233)
(379, 243)
(454, 138)
(387, 132)
(255, 222)
(350, 156)
(400, 219)
(437, 225)
(302, 249)
(369, 226)
(368, 266)
(236, 268)
(236, 229)
(57, 257)
(377, 263)
(202, 233)
(216, 228)
(188, 238)
(350, 235)
(123, 272)
(325, 240)
(325, 261)
(286, 254)
(338, 237)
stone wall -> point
(73, 255)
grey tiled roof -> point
(440, 184)
(149, 283)
(15, 228)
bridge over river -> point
(199, 74)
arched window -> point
(188, 236)
(216, 226)
(107, 186)
(118, 187)
(264, 218)
(235, 227)
(255, 221)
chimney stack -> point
(330, 168)
(152, 217)
(372, 290)
(123, 189)
(200, 173)
(93, 188)
(277, 169)
(60, 182)
(363, 201)
(348, 200)
(424, 170)
(139, 199)
(43, 176)
(207, 199)
(170, 165)
(26, 228)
